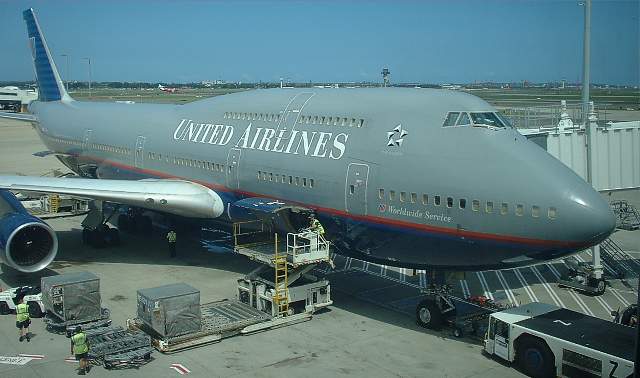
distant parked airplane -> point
(167, 89)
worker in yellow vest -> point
(171, 239)
(315, 225)
(23, 320)
(80, 349)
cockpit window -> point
(507, 122)
(486, 119)
(451, 119)
(463, 120)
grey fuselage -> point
(371, 162)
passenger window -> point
(504, 208)
(436, 200)
(414, 197)
(315, 119)
(553, 213)
(297, 181)
(361, 123)
(475, 205)
(259, 175)
(535, 211)
(329, 120)
(463, 120)
(519, 210)
(311, 183)
(449, 202)
(392, 195)
(380, 193)
(425, 199)
(353, 122)
(270, 176)
(304, 182)
(290, 180)
(462, 203)
(451, 119)
(489, 207)
(403, 196)
(352, 189)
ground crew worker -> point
(171, 239)
(315, 225)
(80, 349)
(23, 320)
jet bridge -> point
(283, 284)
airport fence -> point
(548, 116)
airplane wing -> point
(19, 116)
(179, 197)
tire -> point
(535, 358)
(4, 309)
(428, 315)
(34, 310)
(124, 223)
(601, 286)
(114, 236)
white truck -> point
(31, 296)
(549, 341)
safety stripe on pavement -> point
(180, 369)
(583, 306)
(465, 289)
(32, 356)
(525, 285)
(547, 287)
(619, 297)
(485, 286)
(507, 289)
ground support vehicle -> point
(32, 296)
(281, 292)
(118, 347)
(549, 341)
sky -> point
(451, 41)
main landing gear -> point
(135, 222)
(432, 311)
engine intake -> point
(27, 244)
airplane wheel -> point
(4, 309)
(34, 310)
(602, 286)
(535, 358)
(428, 314)
(124, 223)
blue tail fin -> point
(50, 85)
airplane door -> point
(139, 153)
(499, 339)
(233, 168)
(292, 112)
(87, 139)
(356, 188)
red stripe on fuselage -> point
(367, 218)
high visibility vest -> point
(171, 237)
(317, 227)
(80, 343)
(22, 312)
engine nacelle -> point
(27, 244)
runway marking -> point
(32, 356)
(579, 301)
(181, 369)
(619, 297)
(525, 285)
(547, 287)
(465, 289)
(507, 289)
(17, 360)
(485, 286)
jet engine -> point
(27, 244)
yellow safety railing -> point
(281, 295)
(54, 202)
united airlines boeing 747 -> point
(405, 177)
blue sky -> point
(420, 41)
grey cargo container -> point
(72, 296)
(170, 310)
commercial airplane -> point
(417, 178)
(167, 89)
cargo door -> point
(355, 191)
(139, 153)
(233, 168)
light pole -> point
(89, 60)
(68, 78)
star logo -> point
(396, 136)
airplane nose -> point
(592, 217)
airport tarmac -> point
(352, 338)
(369, 331)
